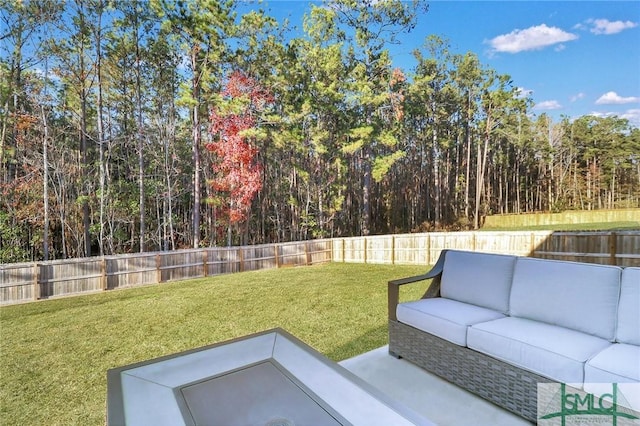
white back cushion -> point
(480, 279)
(580, 296)
(629, 309)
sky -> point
(573, 58)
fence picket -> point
(40, 280)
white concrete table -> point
(270, 378)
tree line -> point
(137, 126)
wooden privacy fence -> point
(515, 220)
(611, 248)
(25, 282)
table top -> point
(268, 378)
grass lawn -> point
(54, 354)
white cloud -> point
(613, 98)
(532, 38)
(548, 105)
(523, 93)
(577, 97)
(633, 115)
(604, 26)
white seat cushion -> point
(629, 309)
(479, 279)
(619, 363)
(579, 296)
(548, 350)
(447, 319)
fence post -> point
(103, 272)
(241, 260)
(307, 257)
(205, 263)
(158, 268)
(36, 281)
(532, 244)
(275, 254)
(613, 247)
(393, 249)
(428, 246)
(365, 249)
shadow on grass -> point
(371, 339)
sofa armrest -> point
(393, 286)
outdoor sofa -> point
(497, 325)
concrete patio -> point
(434, 398)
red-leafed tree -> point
(233, 124)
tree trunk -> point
(476, 220)
(45, 184)
(101, 164)
(86, 220)
(366, 190)
(169, 195)
(436, 177)
(468, 162)
(195, 87)
(140, 140)
(481, 166)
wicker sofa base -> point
(503, 384)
